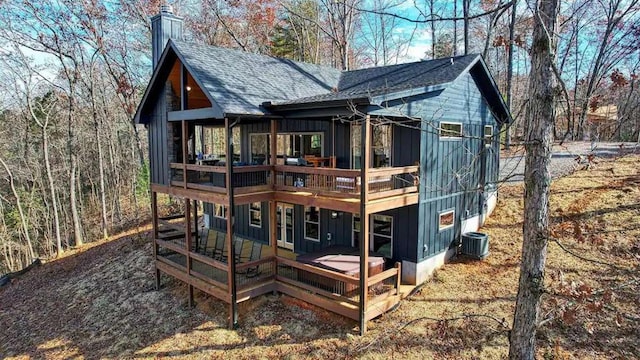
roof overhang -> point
(493, 97)
(383, 98)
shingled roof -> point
(241, 83)
(365, 83)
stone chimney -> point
(164, 26)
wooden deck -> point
(328, 289)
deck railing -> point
(385, 182)
(334, 182)
(343, 183)
(251, 178)
(319, 281)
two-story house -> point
(330, 186)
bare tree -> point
(539, 138)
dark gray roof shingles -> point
(241, 82)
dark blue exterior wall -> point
(454, 172)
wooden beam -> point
(274, 142)
(195, 114)
(191, 193)
(273, 230)
(254, 197)
(185, 154)
(188, 238)
(309, 199)
(392, 203)
(364, 224)
(231, 259)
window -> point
(381, 138)
(312, 223)
(212, 144)
(299, 145)
(381, 234)
(446, 220)
(356, 140)
(356, 231)
(450, 130)
(255, 214)
(488, 135)
(260, 147)
(219, 211)
(381, 145)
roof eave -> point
(507, 111)
(316, 104)
(138, 115)
(403, 94)
(154, 78)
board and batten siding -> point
(158, 132)
(453, 172)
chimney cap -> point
(166, 9)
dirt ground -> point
(99, 302)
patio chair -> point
(256, 252)
(220, 244)
(238, 242)
(202, 240)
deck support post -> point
(231, 259)
(195, 225)
(273, 205)
(364, 223)
(154, 222)
(185, 153)
(188, 237)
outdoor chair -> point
(202, 240)
(238, 242)
(220, 245)
(256, 252)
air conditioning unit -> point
(475, 245)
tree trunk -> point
(465, 15)
(538, 132)
(73, 198)
(512, 25)
(52, 191)
(103, 196)
(23, 220)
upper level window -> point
(450, 130)
(488, 135)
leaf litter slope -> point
(99, 302)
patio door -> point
(284, 213)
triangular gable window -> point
(185, 92)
